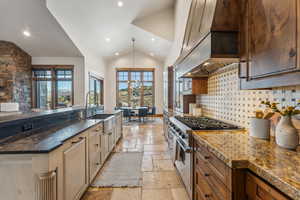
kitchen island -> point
(58, 161)
(259, 167)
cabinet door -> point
(271, 52)
(273, 37)
(105, 147)
(94, 153)
(75, 178)
(258, 189)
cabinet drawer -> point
(258, 189)
(94, 142)
(219, 186)
(203, 189)
(98, 128)
(218, 168)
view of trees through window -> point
(96, 91)
(53, 87)
(135, 88)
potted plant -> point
(286, 135)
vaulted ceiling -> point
(90, 23)
(47, 38)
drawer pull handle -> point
(79, 140)
(206, 157)
(206, 174)
(206, 195)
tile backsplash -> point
(225, 101)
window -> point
(135, 87)
(52, 87)
(96, 90)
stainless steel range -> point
(180, 142)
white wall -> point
(95, 65)
(78, 63)
(181, 16)
(125, 61)
(160, 23)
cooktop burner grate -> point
(204, 123)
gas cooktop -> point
(204, 123)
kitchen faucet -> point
(87, 103)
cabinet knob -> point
(98, 164)
(206, 157)
(206, 195)
(206, 174)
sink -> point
(101, 116)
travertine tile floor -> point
(160, 181)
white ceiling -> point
(89, 23)
(47, 36)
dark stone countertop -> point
(47, 141)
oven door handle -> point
(185, 149)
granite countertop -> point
(47, 141)
(280, 167)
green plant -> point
(284, 111)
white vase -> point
(286, 135)
(260, 128)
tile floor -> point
(160, 181)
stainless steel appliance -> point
(180, 143)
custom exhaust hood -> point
(211, 38)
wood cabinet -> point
(213, 179)
(195, 86)
(270, 43)
(75, 168)
(170, 88)
(259, 189)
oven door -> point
(183, 159)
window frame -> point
(54, 81)
(129, 81)
(101, 80)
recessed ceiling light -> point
(107, 39)
(27, 33)
(117, 53)
(152, 54)
(153, 39)
(120, 3)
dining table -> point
(135, 110)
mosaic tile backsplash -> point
(225, 101)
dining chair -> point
(142, 113)
(127, 114)
(152, 112)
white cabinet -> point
(95, 148)
(65, 172)
(105, 147)
(75, 169)
(119, 127)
